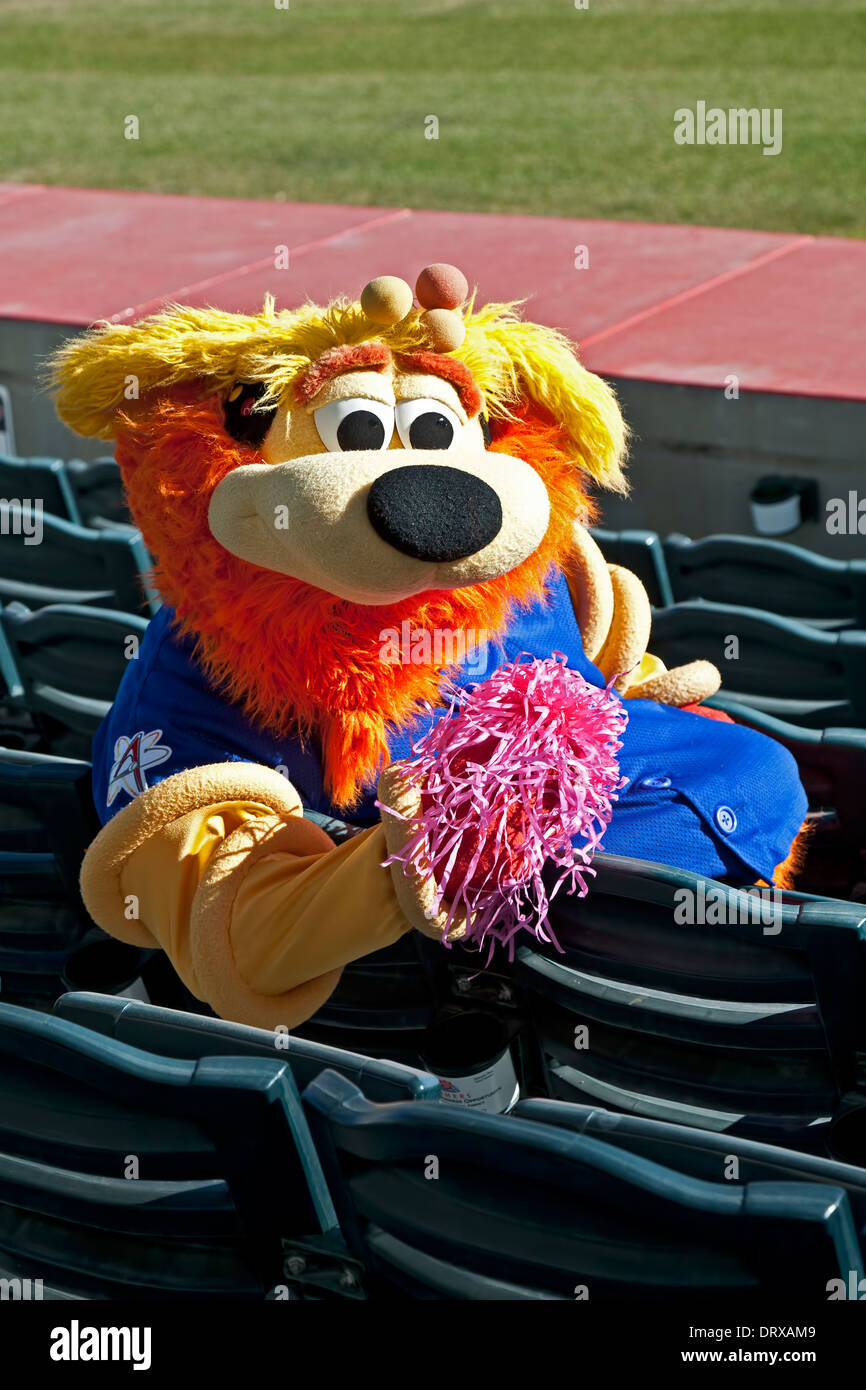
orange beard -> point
(294, 657)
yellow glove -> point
(256, 907)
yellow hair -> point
(99, 373)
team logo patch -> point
(133, 758)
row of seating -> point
(743, 571)
(88, 551)
(789, 669)
(146, 1153)
(742, 1019)
(746, 571)
(671, 999)
(728, 599)
(776, 665)
(104, 567)
(47, 819)
(87, 494)
(62, 664)
(708, 1005)
(784, 626)
(744, 1022)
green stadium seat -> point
(753, 572)
(41, 480)
(128, 1175)
(785, 668)
(77, 564)
(699, 1153)
(47, 819)
(832, 766)
(97, 488)
(173, 1033)
(642, 553)
(64, 663)
(680, 999)
(381, 1006)
(443, 1202)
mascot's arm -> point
(256, 907)
(614, 617)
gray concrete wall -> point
(24, 346)
(696, 457)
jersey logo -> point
(133, 757)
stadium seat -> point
(127, 1175)
(443, 1202)
(749, 1023)
(641, 552)
(41, 480)
(97, 488)
(67, 660)
(773, 575)
(832, 766)
(172, 1033)
(77, 564)
(699, 1153)
(785, 668)
(381, 1007)
(47, 820)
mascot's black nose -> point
(434, 513)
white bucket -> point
(776, 505)
(776, 518)
(469, 1054)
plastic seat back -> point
(76, 564)
(679, 999)
(786, 668)
(440, 1201)
(785, 579)
(70, 659)
(172, 1033)
(126, 1174)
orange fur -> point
(293, 656)
(787, 872)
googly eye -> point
(356, 423)
(427, 424)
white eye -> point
(357, 423)
(427, 424)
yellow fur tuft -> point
(109, 367)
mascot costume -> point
(369, 531)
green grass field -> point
(542, 107)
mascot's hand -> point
(517, 779)
(400, 804)
(614, 616)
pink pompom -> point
(522, 765)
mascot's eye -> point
(358, 423)
(427, 424)
(243, 422)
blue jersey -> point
(716, 798)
